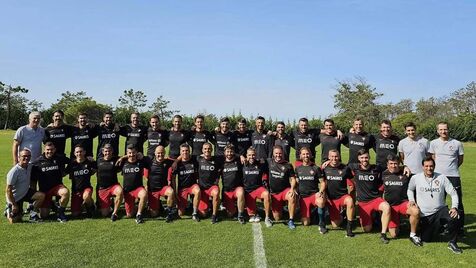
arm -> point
(322, 187)
(460, 160)
(15, 151)
(11, 200)
(411, 189)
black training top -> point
(308, 179)
(336, 178)
(133, 173)
(243, 142)
(107, 172)
(159, 174)
(154, 139)
(395, 187)
(108, 135)
(58, 136)
(279, 175)
(253, 175)
(328, 142)
(309, 139)
(355, 142)
(367, 182)
(48, 172)
(84, 137)
(232, 175)
(385, 147)
(177, 138)
(208, 171)
(135, 136)
(187, 173)
(80, 174)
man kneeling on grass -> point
(18, 190)
(232, 181)
(132, 172)
(107, 182)
(431, 189)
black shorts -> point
(431, 225)
(27, 198)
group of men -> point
(252, 165)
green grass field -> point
(99, 242)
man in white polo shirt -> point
(29, 136)
(413, 149)
(448, 155)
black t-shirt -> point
(279, 175)
(385, 147)
(286, 142)
(107, 172)
(156, 138)
(135, 136)
(208, 171)
(336, 178)
(395, 187)
(177, 138)
(308, 179)
(262, 144)
(58, 136)
(108, 135)
(133, 173)
(253, 175)
(367, 182)
(159, 174)
(84, 137)
(355, 142)
(243, 142)
(80, 174)
(310, 139)
(328, 142)
(221, 140)
(187, 173)
(197, 139)
(48, 172)
(232, 175)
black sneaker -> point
(454, 248)
(169, 218)
(384, 239)
(241, 220)
(322, 229)
(416, 241)
(214, 219)
(349, 233)
(34, 218)
(62, 218)
(90, 211)
(195, 217)
(113, 217)
(139, 219)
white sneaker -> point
(252, 219)
(268, 222)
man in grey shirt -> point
(29, 136)
(431, 189)
(448, 155)
(413, 149)
(18, 190)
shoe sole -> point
(455, 252)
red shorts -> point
(336, 206)
(277, 200)
(205, 197)
(396, 211)
(367, 208)
(105, 196)
(183, 195)
(154, 197)
(250, 199)
(229, 199)
(49, 195)
(130, 199)
(77, 199)
(306, 203)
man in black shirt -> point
(135, 134)
(109, 133)
(311, 189)
(305, 137)
(132, 172)
(48, 170)
(222, 137)
(57, 132)
(158, 183)
(395, 193)
(368, 182)
(255, 175)
(83, 134)
(283, 139)
(386, 144)
(198, 136)
(187, 174)
(358, 139)
(209, 169)
(282, 185)
(261, 141)
(232, 182)
(243, 137)
(107, 183)
(339, 185)
(155, 136)
(80, 170)
(177, 136)
(329, 139)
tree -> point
(132, 100)
(69, 99)
(8, 93)
(464, 100)
(161, 108)
(357, 97)
(94, 110)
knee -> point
(265, 195)
(63, 192)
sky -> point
(280, 59)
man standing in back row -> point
(448, 154)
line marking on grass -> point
(258, 246)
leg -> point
(196, 198)
(38, 199)
(266, 200)
(216, 201)
(142, 201)
(414, 213)
(64, 195)
(240, 200)
(291, 204)
(119, 195)
(384, 207)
